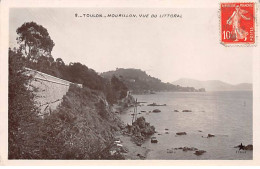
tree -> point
(118, 87)
(35, 40)
(59, 62)
(51, 60)
(21, 109)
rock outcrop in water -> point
(249, 147)
(156, 111)
(244, 147)
(186, 148)
(140, 130)
(181, 133)
(210, 135)
(199, 152)
(155, 104)
(186, 111)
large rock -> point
(244, 147)
(181, 133)
(249, 147)
(189, 149)
(199, 152)
(211, 135)
(156, 111)
(140, 130)
(186, 111)
(186, 148)
(155, 104)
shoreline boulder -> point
(155, 104)
(186, 149)
(244, 147)
(210, 135)
(186, 111)
(249, 147)
(181, 133)
(199, 152)
(156, 111)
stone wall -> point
(49, 90)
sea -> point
(226, 114)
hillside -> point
(213, 85)
(81, 122)
(140, 82)
(82, 119)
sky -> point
(166, 48)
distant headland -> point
(140, 82)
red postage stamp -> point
(238, 23)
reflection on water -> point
(227, 115)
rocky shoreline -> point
(133, 151)
(128, 141)
(131, 138)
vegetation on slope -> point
(21, 115)
(81, 128)
(83, 125)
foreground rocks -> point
(249, 147)
(186, 111)
(139, 131)
(117, 150)
(156, 111)
(210, 135)
(244, 147)
(199, 152)
(181, 133)
(186, 148)
(155, 104)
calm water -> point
(227, 115)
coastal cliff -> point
(84, 124)
(81, 126)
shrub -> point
(22, 119)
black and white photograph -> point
(96, 83)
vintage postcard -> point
(130, 83)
